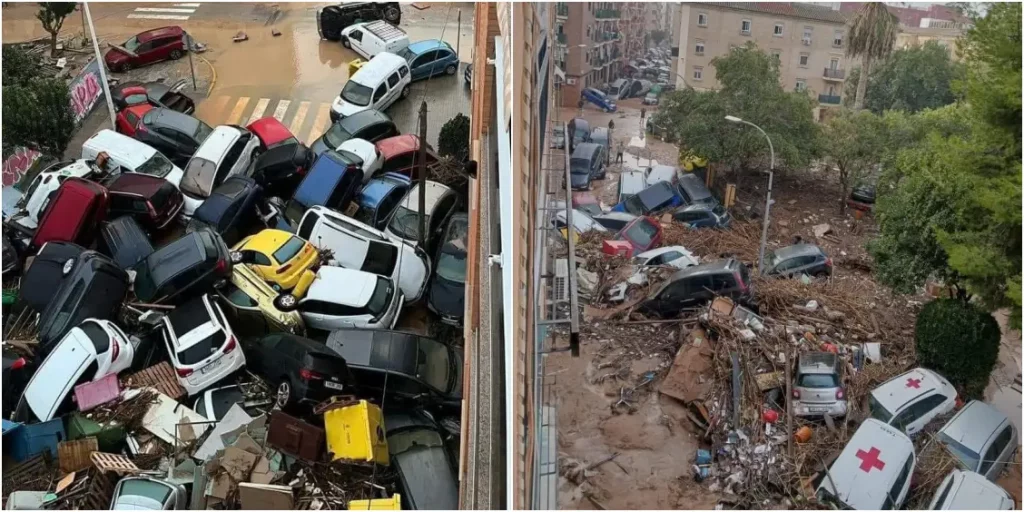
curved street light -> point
(768, 196)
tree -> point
(19, 66)
(872, 36)
(51, 15)
(856, 140)
(657, 36)
(960, 341)
(38, 115)
(912, 79)
(453, 140)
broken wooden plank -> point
(76, 455)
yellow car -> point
(279, 257)
(255, 306)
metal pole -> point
(422, 157)
(458, 37)
(101, 65)
(767, 200)
(191, 65)
(82, 9)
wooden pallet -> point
(76, 455)
(115, 463)
(160, 377)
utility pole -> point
(84, 31)
(191, 65)
(101, 65)
(422, 158)
(458, 36)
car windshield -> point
(579, 166)
(198, 179)
(202, 349)
(289, 249)
(818, 380)
(381, 297)
(405, 441)
(634, 205)
(356, 93)
(146, 488)
(202, 132)
(641, 233)
(432, 365)
(967, 456)
(145, 288)
(877, 411)
(451, 265)
(406, 54)
(380, 258)
(336, 136)
(132, 44)
(405, 223)
(137, 99)
(158, 165)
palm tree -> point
(872, 36)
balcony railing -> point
(835, 74)
(562, 38)
(562, 9)
(829, 100)
(606, 14)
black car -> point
(331, 20)
(230, 210)
(448, 284)
(370, 125)
(693, 190)
(46, 273)
(587, 163)
(93, 287)
(420, 371)
(300, 369)
(125, 242)
(697, 285)
(796, 260)
(702, 215)
(188, 264)
(468, 74)
(174, 134)
(280, 169)
(159, 95)
(425, 467)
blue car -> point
(703, 215)
(380, 198)
(331, 182)
(656, 197)
(598, 98)
(429, 58)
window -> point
(833, 63)
(403, 71)
(356, 35)
(257, 258)
(993, 452)
(897, 486)
(99, 337)
(745, 27)
(379, 93)
(698, 73)
(804, 59)
(699, 49)
(837, 39)
(393, 80)
(801, 85)
(779, 28)
(808, 31)
(702, 19)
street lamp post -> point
(768, 196)
(101, 64)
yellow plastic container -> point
(356, 432)
(354, 66)
(392, 503)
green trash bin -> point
(110, 437)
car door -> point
(314, 311)
(422, 65)
(910, 420)
(146, 53)
(997, 454)
(673, 297)
(339, 316)
(243, 311)
(393, 88)
(442, 59)
(356, 40)
(162, 48)
(380, 97)
(258, 262)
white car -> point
(228, 151)
(367, 152)
(360, 247)
(374, 37)
(376, 86)
(912, 400)
(440, 205)
(676, 255)
(981, 437)
(580, 220)
(90, 351)
(45, 183)
(967, 490)
(202, 346)
(872, 472)
(341, 298)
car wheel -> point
(175, 54)
(392, 14)
(451, 69)
(405, 92)
(236, 257)
(345, 42)
(127, 66)
(286, 302)
(284, 394)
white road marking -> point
(157, 17)
(187, 5)
(281, 110)
(236, 113)
(164, 9)
(261, 106)
(323, 115)
(300, 116)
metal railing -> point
(829, 99)
(837, 74)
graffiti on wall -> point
(17, 164)
(86, 90)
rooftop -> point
(787, 9)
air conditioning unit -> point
(570, 81)
(560, 285)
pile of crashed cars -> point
(241, 283)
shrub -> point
(960, 341)
(453, 140)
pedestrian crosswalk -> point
(307, 120)
(178, 12)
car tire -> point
(345, 42)
(235, 257)
(283, 396)
(123, 68)
(392, 15)
(451, 69)
(405, 91)
(286, 302)
(175, 54)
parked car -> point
(400, 154)
(214, 403)
(46, 273)
(332, 182)
(127, 120)
(448, 283)
(630, 183)
(176, 135)
(468, 74)
(430, 57)
(357, 246)
(872, 472)
(231, 210)
(367, 153)
(702, 215)
(588, 162)
(147, 47)
(862, 197)
(818, 385)
(202, 347)
(370, 125)
(372, 38)
(331, 20)
(558, 138)
(603, 137)
(90, 350)
(581, 221)
(421, 371)
(376, 86)
(651, 98)
(151, 201)
(341, 297)
(651, 200)
(659, 173)
(981, 438)
(226, 152)
(300, 369)
(644, 233)
(284, 260)
(130, 155)
(613, 221)
(280, 169)
(379, 199)
(579, 131)
(619, 89)
(440, 205)
(599, 99)
(43, 187)
(147, 493)
(125, 242)
(271, 133)
(188, 264)
(912, 400)
(586, 201)
(251, 305)
(426, 471)
(798, 259)
(674, 256)
(157, 94)
(693, 190)
(967, 490)
(74, 213)
(697, 285)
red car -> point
(399, 154)
(271, 132)
(644, 233)
(146, 48)
(154, 202)
(128, 119)
(74, 213)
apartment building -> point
(809, 41)
(912, 14)
(591, 44)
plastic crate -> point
(31, 440)
(392, 503)
(356, 432)
(111, 437)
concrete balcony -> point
(835, 75)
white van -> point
(373, 37)
(133, 156)
(630, 184)
(872, 472)
(376, 85)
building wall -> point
(911, 16)
(591, 44)
(946, 37)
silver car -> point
(981, 437)
(818, 387)
(145, 493)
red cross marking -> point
(869, 459)
(914, 383)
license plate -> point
(818, 409)
(211, 367)
(333, 385)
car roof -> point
(342, 286)
(375, 190)
(974, 425)
(873, 444)
(364, 118)
(429, 44)
(173, 119)
(972, 491)
(218, 143)
(397, 145)
(158, 33)
(65, 363)
(581, 123)
(378, 68)
(435, 191)
(384, 30)
(270, 130)
(705, 268)
(362, 148)
(135, 183)
(385, 349)
(120, 146)
(169, 260)
(662, 250)
(910, 386)
(267, 240)
(815, 362)
(190, 315)
(585, 150)
(791, 251)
